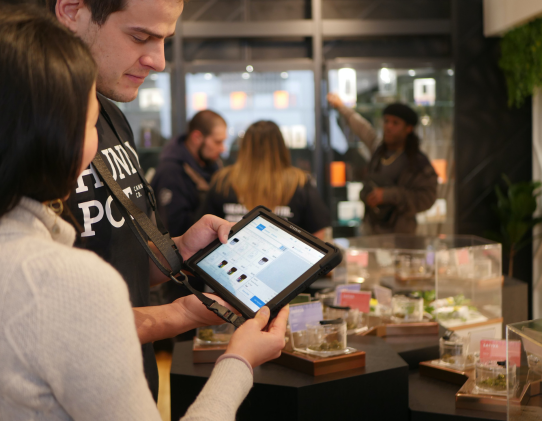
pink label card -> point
(495, 350)
(462, 256)
(356, 299)
(359, 257)
(341, 288)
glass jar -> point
(492, 378)
(327, 338)
(535, 362)
(406, 309)
(454, 352)
(355, 322)
(215, 335)
(327, 298)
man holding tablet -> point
(126, 39)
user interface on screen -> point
(259, 262)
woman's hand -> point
(254, 344)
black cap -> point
(331, 322)
(402, 111)
(339, 307)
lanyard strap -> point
(140, 223)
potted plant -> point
(515, 211)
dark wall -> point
(490, 138)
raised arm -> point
(361, 127)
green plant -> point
(515, 212)
(521, 61)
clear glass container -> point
(214, 335)
(327, 338)
(403, 263)
(326, 297)
(355, 320)
(468, 281)
(406, 309)
(524, 349)
(454, 352)
(494, 378)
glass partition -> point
(242, 98)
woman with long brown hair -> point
(264, 175)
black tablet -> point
(266, 261)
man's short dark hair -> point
(205, 121)
(100, 10)
(46, 75)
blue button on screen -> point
(257, 301)
(261, 227)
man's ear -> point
(196, 137)
(409, 128)
(68, 13)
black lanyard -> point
(139, 222)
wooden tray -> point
(207, 353)
(403, 329)
(449, 375)
(318, 366)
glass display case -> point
(369, 86)
(403, 263)
(242, 98)
(524, 351)
(468, 282)
(458, 277)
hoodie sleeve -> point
(177, 197)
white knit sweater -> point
(68, 343)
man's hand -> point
(194, 313)
(334, 100)
(375, 198)
(199, 235)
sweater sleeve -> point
(87, 349)
(361, 127)
(79, 337)
(219, 400)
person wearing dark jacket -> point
(185, 169)
(401, 181)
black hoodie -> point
(180, 184)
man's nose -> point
(154, 57)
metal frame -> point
(398, 62)
(316, 29)
(203, 66)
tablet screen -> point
(259, 262)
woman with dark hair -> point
(68, 340)
(400, 180)
(264, 175)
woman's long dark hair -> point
(46, 75)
